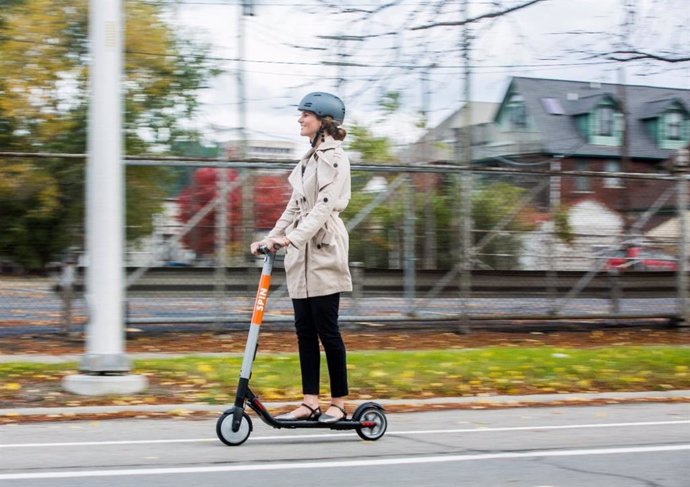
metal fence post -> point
(616, 291)
(357, 269)
(66, 285)
(681, 168)
(466, 247)
(222, 212)
(554, 204)
(409, 259)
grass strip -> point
(396, 374)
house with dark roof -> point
(591, 127)
(439, 144)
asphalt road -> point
(602, 446)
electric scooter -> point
(234, 426)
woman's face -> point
(309, 124)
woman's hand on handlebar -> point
(254, 247)
(272, 243)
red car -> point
(639, 259)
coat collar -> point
(328, 144)
(295, 177)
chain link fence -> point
(429, 243)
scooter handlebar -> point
(263, 249)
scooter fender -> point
(363, 407)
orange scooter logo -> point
(261, 299)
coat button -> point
(335, 164)
(318, 246)
(325, 200)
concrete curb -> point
(505, 401)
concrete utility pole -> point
(104, 365)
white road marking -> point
(545, 427)
(339, 435)
(107, 443)
(342, 464)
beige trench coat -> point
(316, 261)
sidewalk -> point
(400, 405)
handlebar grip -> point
(263, 249)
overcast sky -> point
(289, 48)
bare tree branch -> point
(635, 55)
(350, 10)
(479, 17)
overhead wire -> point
(392, 65)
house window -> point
(605, 128)
(517, 115)
(671, 129)
(674, 126)
(613, 182)
(582, 182)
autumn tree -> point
(43, 108)
(201, 192)
(270, 195)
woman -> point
(316, 259)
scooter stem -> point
(253, 336)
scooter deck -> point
(343, 424)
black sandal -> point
(327, 418)
(314, 414)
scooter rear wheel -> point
(379, 424)
(227, 435)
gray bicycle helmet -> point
(323, 104)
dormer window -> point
(674, 125)
(517, 115)
(674, 129)
(598, 118)
(667, 122)
(605, 126)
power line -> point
(346, 64)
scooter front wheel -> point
(227, 435)
(374, 424)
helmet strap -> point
(318, 133)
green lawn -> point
(398, 374)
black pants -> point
(316, 319)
